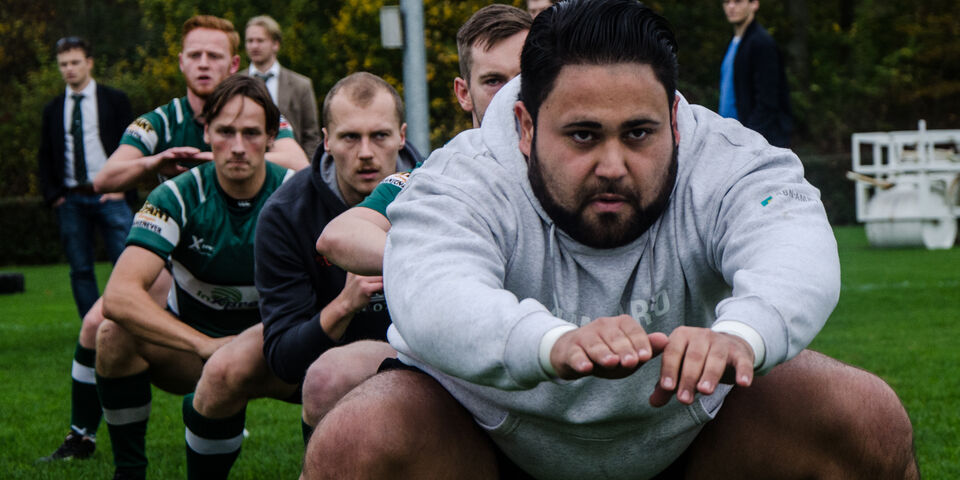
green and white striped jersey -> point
(173, 125)
(209, 241)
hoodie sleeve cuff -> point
(748, 334)
(547, 342)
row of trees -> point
(854, 65)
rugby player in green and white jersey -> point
(166, 139)
(489, 45)
(203, 222)
(156, 143)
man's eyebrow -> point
(584, 124)
(492, 74)
(640, 122)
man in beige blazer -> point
(291, 91)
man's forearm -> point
(122, 170)
(132, 307)
(288, 154)
(355, 243)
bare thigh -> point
(237, 373)
(399, 424)
(337, 372)
(174, 371)
(811, 417)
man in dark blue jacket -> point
(753, 86)
(81, 128)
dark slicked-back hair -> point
(66, 44)
(249, 87)
(486, 28)
(361, 88)
(595, 32)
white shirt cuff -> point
(747, 333)
(546, 346)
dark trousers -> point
(79, 215)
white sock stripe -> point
(206, 446)
(124, 416)
(83, 432)
(83, 373)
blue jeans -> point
(78, 216)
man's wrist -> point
(746, 333)
(547, 341)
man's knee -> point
(115, 347)
(91, 322)
(861, 420)
(327, 380)
(230, 375)
(871, 419)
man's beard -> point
(606, 229)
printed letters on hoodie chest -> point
(647, 284)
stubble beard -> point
(606, 229)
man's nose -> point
(366, 148)
(236, 143)
(612, 161)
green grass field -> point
(899, 316)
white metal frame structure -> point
(908, 180)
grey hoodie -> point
(476, 273)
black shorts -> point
(508, 470)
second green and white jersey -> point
(174, 125)
(209, 240)
(382, 196)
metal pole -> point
(415, 76)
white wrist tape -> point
(748, 334)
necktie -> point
(76, 129)
(263, 76)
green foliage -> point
(854, 65)
(30, 233)
(353, 43)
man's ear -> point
(673, 121)
(326, 138)
(462, 90)
(234, 64)
(206, 133)
(403, 134)
(526, 127)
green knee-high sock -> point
(213, 444)
(126, 408)
(85, 411)
(306, 430)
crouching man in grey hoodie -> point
(586, 286)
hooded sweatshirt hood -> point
(324, 163)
